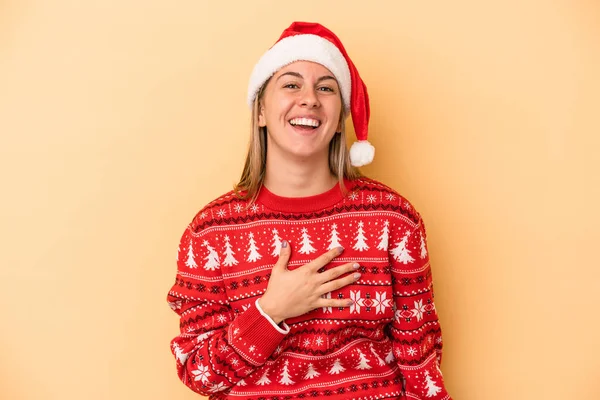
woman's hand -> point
(293, 293)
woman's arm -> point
(416, 331)
(216, 349)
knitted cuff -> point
(255, 337)
(286, 328)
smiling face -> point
(301, 109)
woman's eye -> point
(291, 86)
(325, 89)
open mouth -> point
(305, 123)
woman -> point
(307, 280)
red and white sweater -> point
(386, 345)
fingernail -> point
(355, 266)
(284, 244)
(356, 276)
(349, 302)
(340, 250)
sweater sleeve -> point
(216, 348)
(415, 331)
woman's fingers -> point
(284, 256)
(322, 303)
(325, 258)
(338, 283)
(340, 270)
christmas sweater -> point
(387, 344)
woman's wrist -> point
(266, 309)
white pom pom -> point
(361, 153)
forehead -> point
(306, 69)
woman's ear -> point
(262, 120)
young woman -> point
(308, 279)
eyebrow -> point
(296, 74)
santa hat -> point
(305, 41)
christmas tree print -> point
(212, 259)
(385, 232)
(379, 359)
(311, 372)
(179, 353)
(364, 362)
(264, 379)
(401, 253)
(229, 258)
(306, 243)
(360, 238)
(334, 240)
(276, 243)
(423, 247)
(389, 358)
(191, 261)
(432, 388)
(337, 367)
(252, 249)
(285, 375)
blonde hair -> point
(253, 174)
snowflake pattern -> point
(203, 215)
(221, 213)
(221, 318)
(411, 351)
(238, 208)
(371, 198)
(353, 196)
(379, 303)
(254, 208)
(390, 197)
(201, 374)
(234, 362)
(419, 310)
(251, 349)
(319, 341)
(327, 309)
(356, 301)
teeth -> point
(305, 122)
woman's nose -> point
(309, 98)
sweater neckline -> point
(303, 204)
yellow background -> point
(120, 119)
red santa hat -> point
(306, 41)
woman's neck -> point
(298, 179)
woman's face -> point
(301, 109)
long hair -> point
(253, 174)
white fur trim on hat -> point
(361, 153)
(301, 48)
